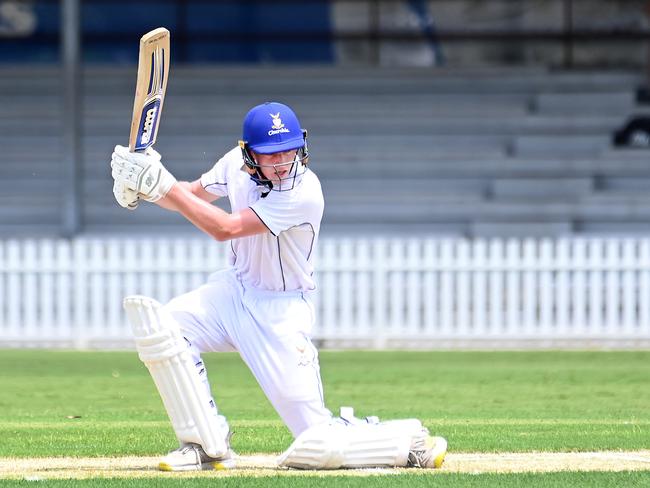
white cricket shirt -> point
(281, 259)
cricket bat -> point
(153, 68)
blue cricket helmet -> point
(272, 127)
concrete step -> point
(223, 79)
(540, 189)
(562, 146)
(626, 186)
(619, 102)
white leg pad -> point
(165, 352)
(338, 445)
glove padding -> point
(126, 197)
(142, 172)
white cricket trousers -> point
(270, 330)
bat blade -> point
(153, 71)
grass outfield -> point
(639, 479)
(104, 404)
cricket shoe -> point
(427, 452)
(192, 457)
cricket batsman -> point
(261, 306)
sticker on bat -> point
(148, 124)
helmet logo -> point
(277, 127)
(277, 121)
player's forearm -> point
(210, 219)
(168, 203)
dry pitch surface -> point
(264, 465)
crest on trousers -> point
(306, 355)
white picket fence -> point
(376, 292)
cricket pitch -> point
(260, 465)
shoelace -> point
(202, 455)
(194, 450)
(419, 455)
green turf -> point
(481, 401)
(56, 403)
(640, 479)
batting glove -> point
(142, 172)
(126, 197)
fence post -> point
(46, 289)
(413, 288)
(363, 260)
(114, 293)
(629, 288)
(380, 297)
(512, 295)
(181, 251)
(462, 290)
(430, 294)
(97, 279)
(545, 288)
(146, 264)
(79, 294)
(479, 302)
(14, 262)
(595, 320)
(562, 296)
(4, 329)
(579, 287)
(612, 286)
(163, 280)
(346, 295)
(396, 287)
(447, 266)
(644, 287)
(496, 266)
(329, 322)
(530, 298)
(64, 285)
(29, 298)
(198, 262)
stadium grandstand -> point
(479, 122)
